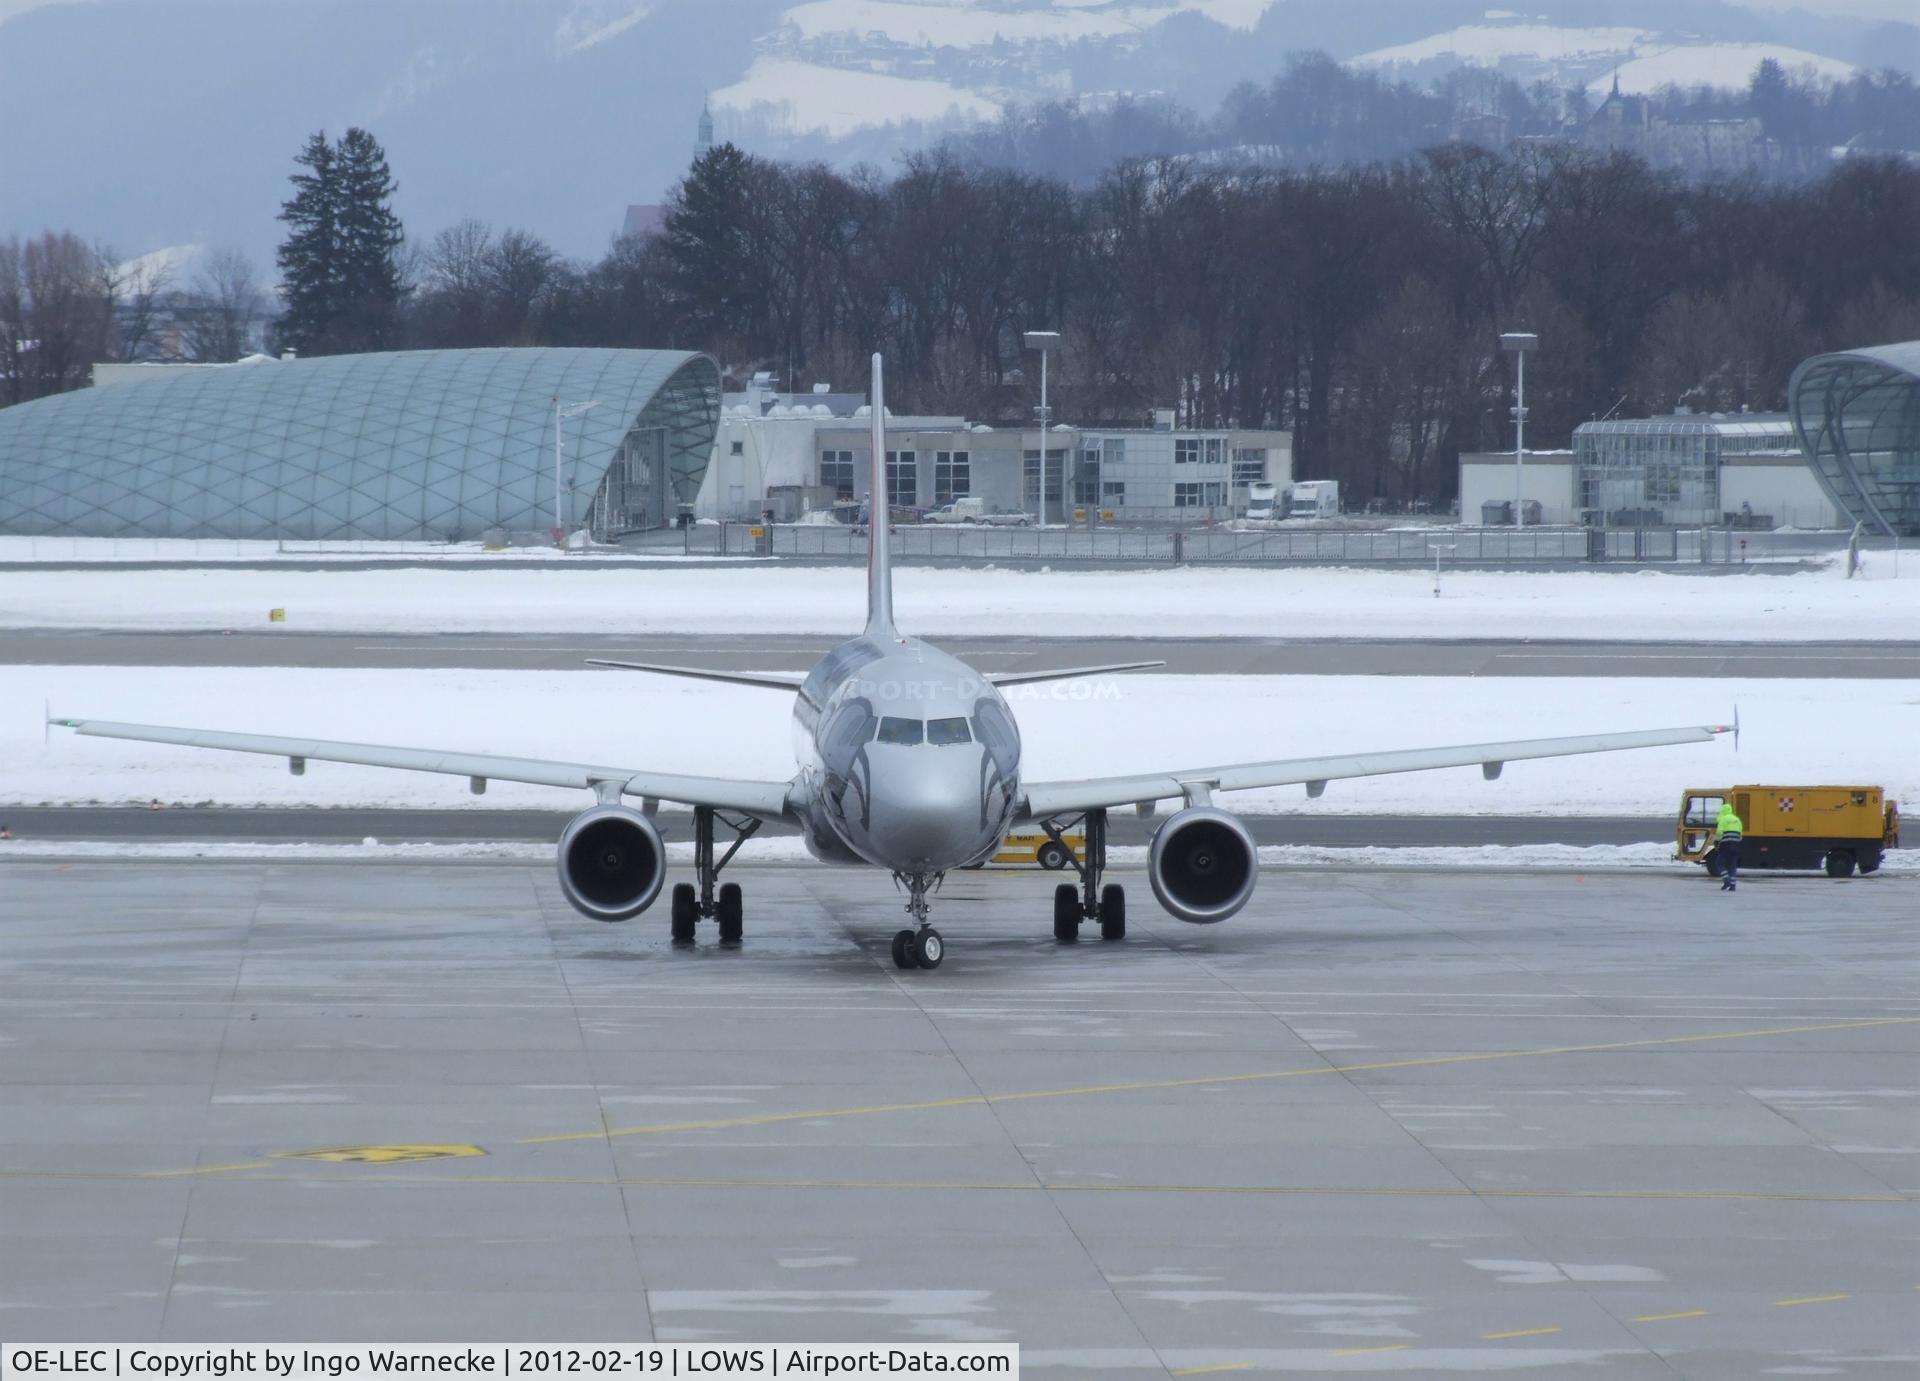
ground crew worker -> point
(1726, 838)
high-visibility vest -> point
(1727, 824)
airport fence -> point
(1224, 546)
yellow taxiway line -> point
(1155, 1085)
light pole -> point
(1518, 344)
(562, 411)
(1043, 341)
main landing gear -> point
(689, 905)
(921, 946)
(1089, 901)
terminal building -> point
(439, 445)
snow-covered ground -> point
(1290, 602)
(1490, 44)
(836, 101)
(1728, 65)
(1794, 731)
(963, 24)
(787, 849)
(109, 551)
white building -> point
(1684, 470)
(773, 448)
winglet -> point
(879, 521)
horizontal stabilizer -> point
(1021, 678)
(769, 680)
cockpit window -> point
(906, 732)
(944, 731)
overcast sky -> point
(1873, 9)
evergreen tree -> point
(309, 258)
(707, 233)
(370, 239)
(340, 261)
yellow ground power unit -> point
(1835, 827)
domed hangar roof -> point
(426, 444)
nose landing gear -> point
(921, 947)
(1089, 901)
(689, 906)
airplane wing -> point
(768, 800)
(1021, 678)
(792, 680)
(1046, 799)
(769, 680)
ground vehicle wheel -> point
(928, 948)
(1839, 863)
(903, 957)
(1712, 860)
(1051, 855)
(1066, 913)
(1870, 863)
(1113, 912)
(729, 911)
(686, 911)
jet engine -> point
(611, 863)
(1203, 865)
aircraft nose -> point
(926, 807)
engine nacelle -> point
(1203, 865)
(612, 863)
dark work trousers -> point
(1730, 859)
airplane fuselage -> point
(909, 758)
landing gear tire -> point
(1839, 863)
(686, 911)
(730, 912)
(903, 955)
(928, 948)
(1051, 856)
(1066, 913)
(1113, 912)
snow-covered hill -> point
(145, 123)
(1644, 59)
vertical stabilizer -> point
(879, 522)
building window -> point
(1114, 492)
(1187, 495)
(836, 473)
(1249, 464)
(952, 476)
(1216, 494)
(1113, 450)
(1186, 450)
(903, 479)
(739, 448)
(1216, 450)
(1086, 480)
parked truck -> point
(1839, 828)
(1262, 500)
(974, 509)
(1314, 499)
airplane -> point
(908, 760)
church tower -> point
(704, 143)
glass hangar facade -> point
(1857, 416)
(423, 445)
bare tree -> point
(55, 315)
(138, 296)
(216, 324)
